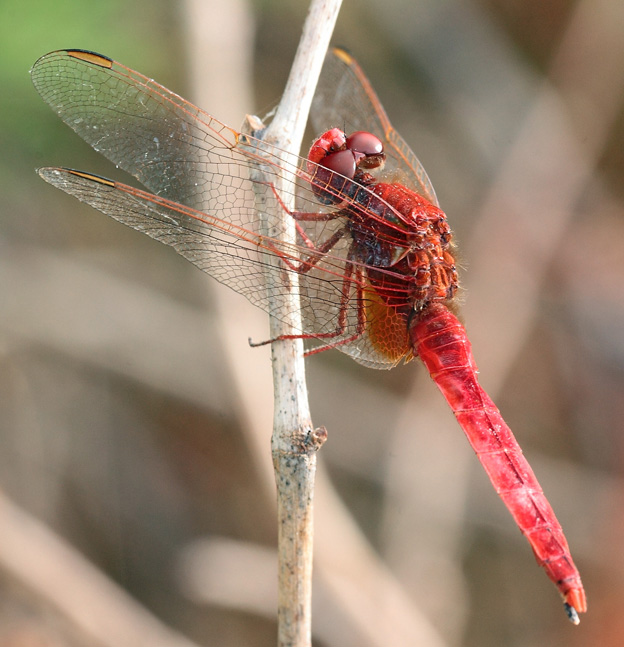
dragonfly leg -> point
(316, 255)
(304, 216)
(318, 251)
(342, 316)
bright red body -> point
(406, 232)
(440, 341)
(374, 265)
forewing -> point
(164, 141)
(175, 149)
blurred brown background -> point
(135, 420)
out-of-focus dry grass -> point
(135, 420)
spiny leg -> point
(347, 281)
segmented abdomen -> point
(440, 340)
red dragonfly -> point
(373, 254)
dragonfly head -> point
(334, 157)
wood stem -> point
(294, 442)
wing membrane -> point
(203, 190)
(235, 256)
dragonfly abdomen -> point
(440, 340)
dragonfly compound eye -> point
(328, 180)
(367, 148)
(343, 162)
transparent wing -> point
(236, 256)
(172, 147)
(202, 197)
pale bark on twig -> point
(294, 442)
